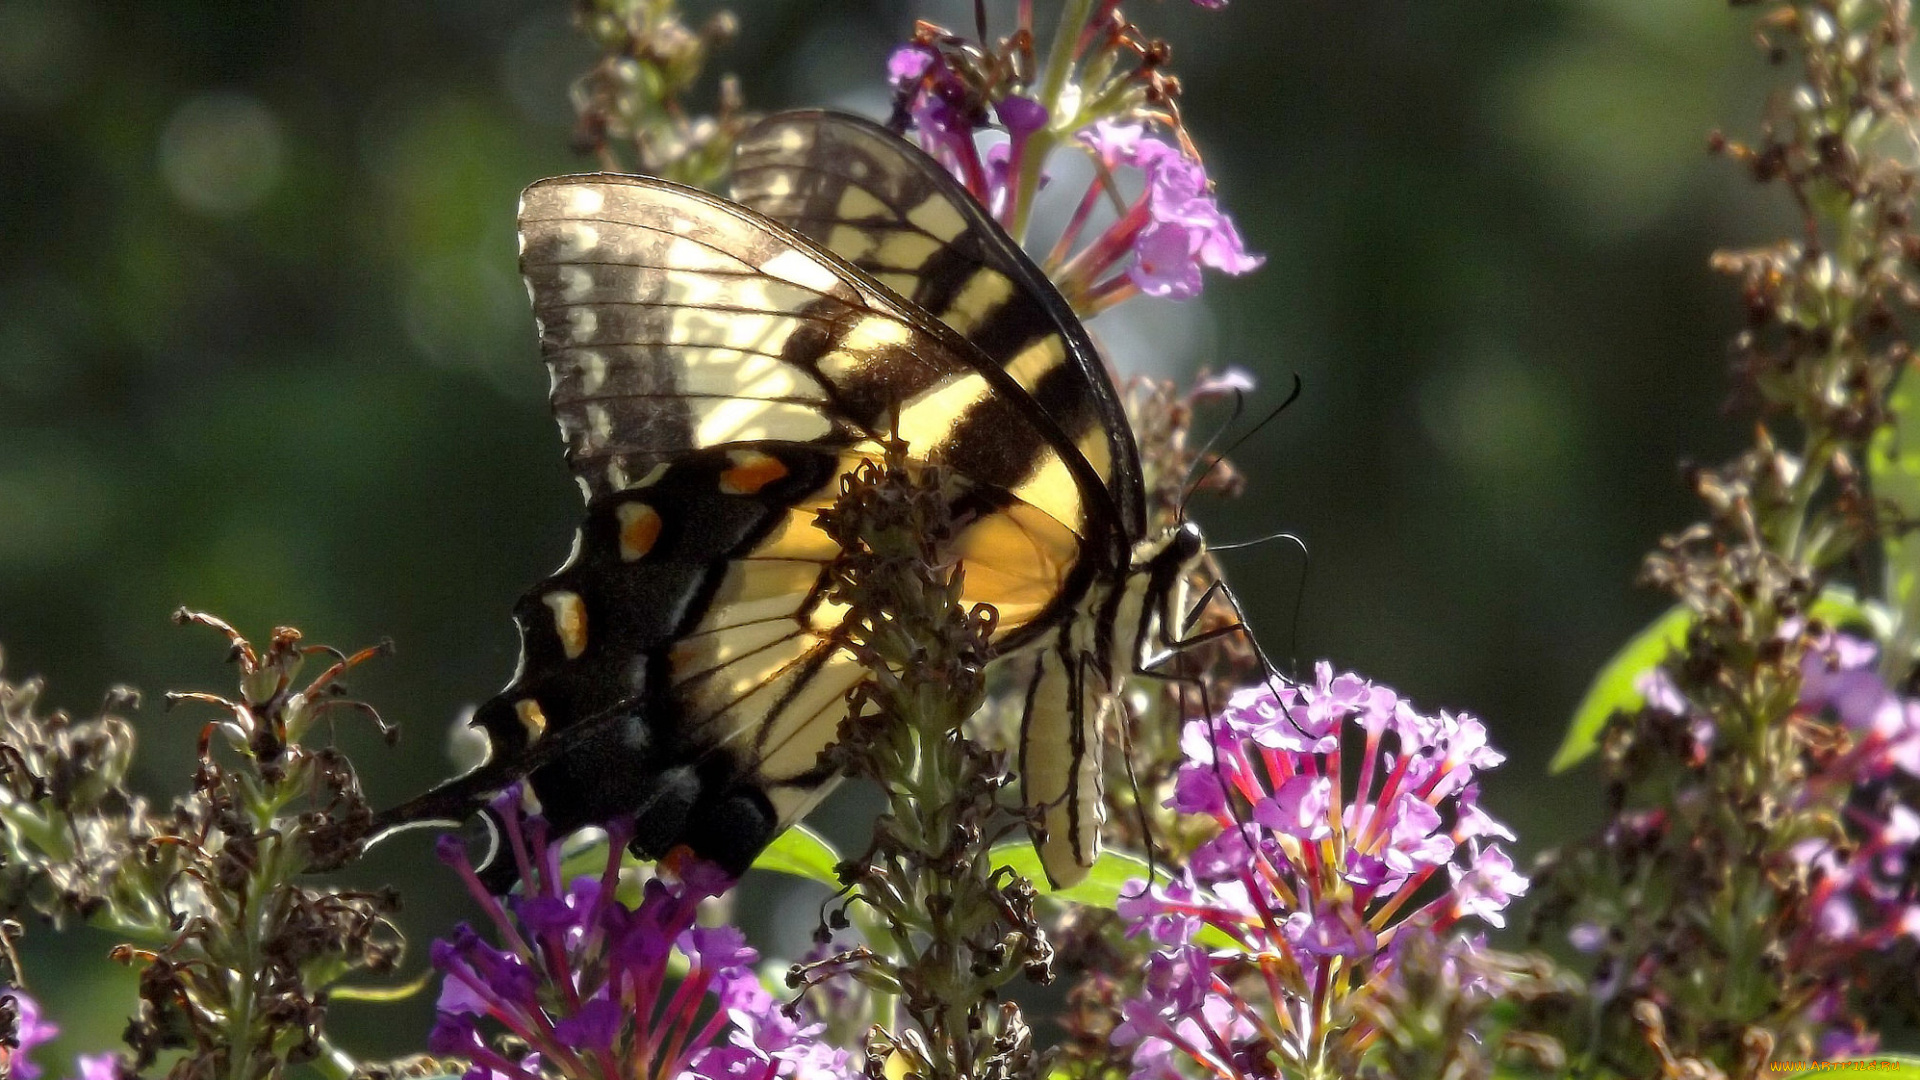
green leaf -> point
(1837, 606)
(1103, 883)
(799, 851)
(1614, 689)
(802, 853)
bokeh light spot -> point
(42, 46)
(1501, 421)
(220, 154)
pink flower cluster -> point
(1296, 904)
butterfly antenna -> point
(1239, 406)
(1219, 458)
(1257, 541)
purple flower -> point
(1587, 937)
(583, 980)
(945, 111)
(907, 64)
(1837, 676)
(1298, 808)
(1158, 246)
(1163, 262)
(1313, 879)
(32, 1029)
(1175, 228)
(98, 1066)
(1485, 887)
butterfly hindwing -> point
(625, 699)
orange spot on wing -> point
(751, 471)
(531, 718)
(639, 530)
(569, 621)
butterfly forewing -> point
(672, 321)
(863, 193)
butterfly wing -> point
(874, 200)
(714, 375)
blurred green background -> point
(263, 350)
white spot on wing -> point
(938, 217)
(852, 244)
(585, 201)
(593, 371)
(736, 420)
(569, 621)
(857, 203)
(576, 239)
(575, 282)
(599, 425)
(907, 250)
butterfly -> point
(717, 366)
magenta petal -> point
(1299, 807)
(1022, 116)
(908, 63)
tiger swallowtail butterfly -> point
(717, 366)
